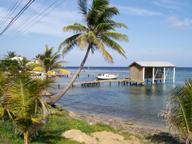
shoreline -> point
(118, 123)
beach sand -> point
(138, 133)
(118, 123)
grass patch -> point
(51, 131)
(8, 135)
(58, 123)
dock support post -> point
(153, 75)
(164, 77)
(143, 74)
(174, 75)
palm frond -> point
(83, 6)
(116, 36)
(100, 46)
(99, 5)
(107, 14)
(104, 52)
(103, 27)
(76, 28)
(69, 43)
(112, 44)
(82, 41)
(119, 25)
(108, 26)
(11, 54)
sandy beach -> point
(119, 123)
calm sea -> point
(140, 104)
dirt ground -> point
(103, 137)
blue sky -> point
(159, 30)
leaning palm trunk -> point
(57, 97)
(98, 33)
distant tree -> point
(10, 54)
(50, 60)
(14, 66)
(179, 113)
(98, 33)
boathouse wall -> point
(151, 71)
(136, 73)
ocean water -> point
(139, 104)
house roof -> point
(153, 64)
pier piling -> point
(122, 82)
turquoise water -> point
(140, 104)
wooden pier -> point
(97, 83)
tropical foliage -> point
(179, 113)
(11, 54)
(21, 101)
(14, 65)
(98, 33)
(49, 61)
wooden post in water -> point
(164, 76)
(153, 75)
(174, 75)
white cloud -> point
(50, 23)
(168, 4)
(180, 23)
(138, 11)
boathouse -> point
(152, 71)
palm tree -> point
(179, 114)
(23, 101)
(97, 34)
(11, 54)
(49, 60)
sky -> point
(158, 30)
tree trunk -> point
(26, 137)
(57, 97)
(45, 111)
(187, 141)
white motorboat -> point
(106, 76)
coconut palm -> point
(23, 101)
(179, 114)
(49, 61)
(11, 54)
(97, 34)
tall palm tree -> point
(98, 33)
(23, 101)
(50, 60)
(179, 114)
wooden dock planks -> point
(99, 82)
